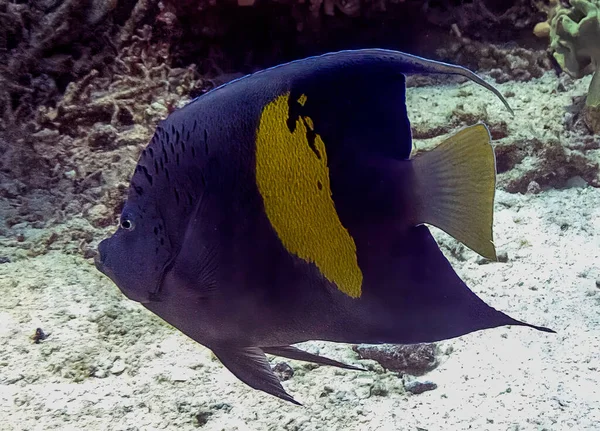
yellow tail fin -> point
(456, 184)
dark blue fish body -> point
(283, 207)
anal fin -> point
(250, 365)
(291, 352)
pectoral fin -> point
(291, 352)
(250, 365)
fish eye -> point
(127, 224)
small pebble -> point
(38, 336)
(542, 29)
(283, 371)
(202, 418)
(576, 182)
(4, 259)
(379, 390)
(101, 374)
(222, 406)
(363, 392)
(502, 256)
(102, 136)
(533, 188)
(418, 387)
(364, 387)
(89, 253)
(480, 260)
(118, 367)
(100, 216)
(181, 374)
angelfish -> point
(284, 207)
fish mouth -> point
(99, 258)
(98, 263)
(100, 266)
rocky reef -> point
(83, 84)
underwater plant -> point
(575, 40)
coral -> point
(504, 64)
(79, 151)
(83, 83)
(45, 44)
(54, 55)
(477, 17)
(106, 118)
(140, 73)
(575, 40)
(548, 164)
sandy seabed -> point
(110, 364)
